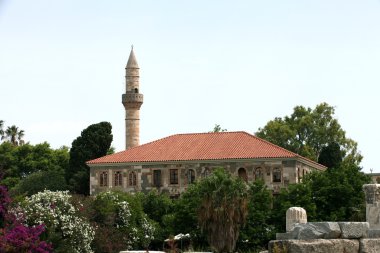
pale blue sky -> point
(235, 63)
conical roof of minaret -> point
(132, 62)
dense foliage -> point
(95, 141)
(212, 210)
(14, 235)
(39, 181)
(65, 229)
(11, 134)
(307, 131)
(17, 162)
(121, 215)
(259, 228)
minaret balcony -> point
(132, 98)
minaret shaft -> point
(132, 101)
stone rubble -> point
(331, 237)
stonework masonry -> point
(334, 237)
(189, 172)
(132, 101)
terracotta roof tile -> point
(199, 146)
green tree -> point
(222, 210)
(39, 181)
(185, 217)
(159, 208)
(259, 229)
(333, 195)
(218, 128)
(331, 156)
(121, 215)
(338, 193)
(94, 142)
(17, 162)
(307, 131)
(14, 135)
(1, 129)
(295, 195)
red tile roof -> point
(200, 146)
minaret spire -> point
(132, 101)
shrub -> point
(65, 229)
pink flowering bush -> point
(16, 237)
(20, 238)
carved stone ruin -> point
(331, 237)
(295, 215)
(372, 198)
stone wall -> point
(291, 172)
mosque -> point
(174, 162)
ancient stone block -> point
(314, 246)
(317, 230)
(369, 245)
(312, 230)
(374, 233)
(354, 230)
(372, 196)
(285, 236)
(295, 215)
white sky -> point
(234, 63)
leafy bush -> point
(40, 181)
(121, 214)
(15, 236)
(65, 229)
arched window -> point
(190, 176)
(136, 90)
(259, 174)
(118, 178)
(103, 178)
(132, 179)
(276, 175)
(243, 174)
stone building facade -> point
(173, 163)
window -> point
(243, 174)
(206, 172)
(118, 178)
(103, 179)
(174, 176)
(157, 178)
(259, 174)
(276, 175)
(190, 176)
(299, 175)
(132, 180)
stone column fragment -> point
(295, 215)
(372, 198)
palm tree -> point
(1, 129)
(14, 135)
(223, 209)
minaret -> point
(132, 101)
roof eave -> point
(263, 159)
